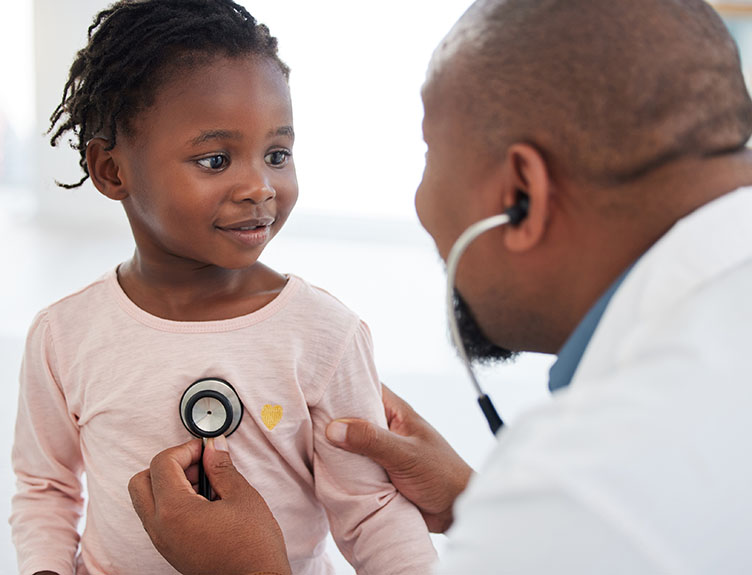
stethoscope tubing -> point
(204, 487)
(466, 238)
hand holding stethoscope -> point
(210, 407)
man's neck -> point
(652, 205)
(674, 190)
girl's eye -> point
(278, 158)
(215, 162)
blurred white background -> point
(357, 69)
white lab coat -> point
(643, 465)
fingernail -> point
(336, 431)
(220, 443)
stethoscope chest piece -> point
(210, 407)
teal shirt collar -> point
(569, 356)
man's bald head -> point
(605, 89)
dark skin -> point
(570, 233)
(418, 460)
(562, 240)
(411, 451)
(196, 167)
(530, 285)
(160, 506)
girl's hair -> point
(131, 44)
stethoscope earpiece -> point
(519, 210)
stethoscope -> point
(513, 216)
(210, 407)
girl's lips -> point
(249, 224)
(249, 236)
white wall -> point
(59, 29)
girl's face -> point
(208, 168)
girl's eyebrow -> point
(216, 135)
(282, 131)
(209, 135)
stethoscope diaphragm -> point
(210, 407)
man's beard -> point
(478, 347)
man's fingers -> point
(364, 438)
(400, 416)
(391, 399)
(168, 470)
(235, 535)
(192, 474)
(226, 481)
(139, 488)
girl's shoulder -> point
(65, 321)
(82, 298)
(319, 303)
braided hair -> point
(130, 46)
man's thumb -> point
(365, 438)
(219, 468)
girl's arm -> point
(377, 529)
(420, 462)
(47, 461)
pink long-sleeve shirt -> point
(101, 383)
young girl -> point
(181, 111)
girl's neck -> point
(198, 292)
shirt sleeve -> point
(47, 462)
(377, 530)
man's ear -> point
(104, 169)
(527, 181)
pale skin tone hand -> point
(419, 461)
(233, 535)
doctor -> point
(623, 124)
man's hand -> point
(419, 461)
(233, 535)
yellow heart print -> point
(270, 415)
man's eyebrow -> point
(215, 135)
(282, 131)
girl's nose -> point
(256, 192)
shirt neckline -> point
(212, 326)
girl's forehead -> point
(220, 90)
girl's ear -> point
(104, 169)
(527, 182)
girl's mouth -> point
(249, 224)
(250, 234)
